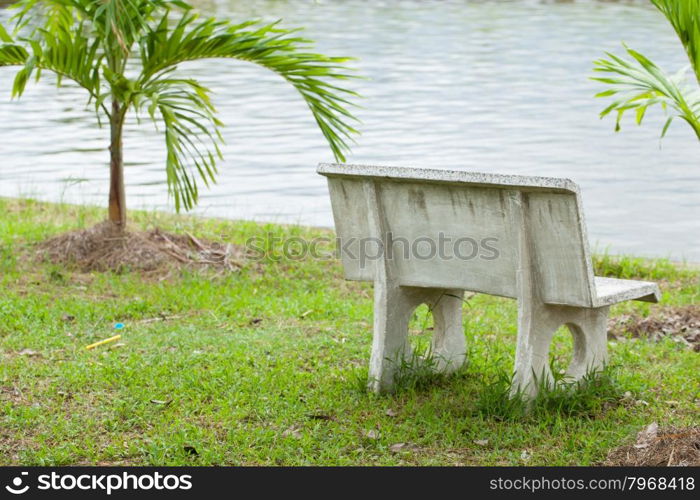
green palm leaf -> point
(166, 46)
(11, 54)
(684, 16)
(183, 107)
(637, 83)
(66, 52)
(270, 46)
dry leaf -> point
(292, 431)
(372, 434)
(481, 442)
(647, 435)
(161, 402)
(395, 448)
(682, 324)
(320, 416)
(29, 352)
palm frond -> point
(119, 23)
(11, 54)
(270, 46)
(192, 134)
(66, 52)
(50, 15)
(684, 16)
(639, 83)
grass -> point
(266, 366)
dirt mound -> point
(660, 448)
(104, 248)
(681, 323)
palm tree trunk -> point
(117, 194)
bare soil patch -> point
(681, 323)
(656, 447)
(105, 248)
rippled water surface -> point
(494, 86)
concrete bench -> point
(506, 235)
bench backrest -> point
(471, 231)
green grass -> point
(266, 366)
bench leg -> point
(449, 347)
(590, 331)
(535, 332)
(536, 327)
(393, 307)
(392, 311)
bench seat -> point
(610, 291)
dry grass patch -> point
(655, 447)
(105, 248)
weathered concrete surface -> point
(537, 253)
(393, 307)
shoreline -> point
(681, 264)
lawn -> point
(265, 365)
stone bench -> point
(426, 236)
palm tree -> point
(93, 42)
(639, 83)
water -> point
(497, 86)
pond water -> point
(492, 86)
